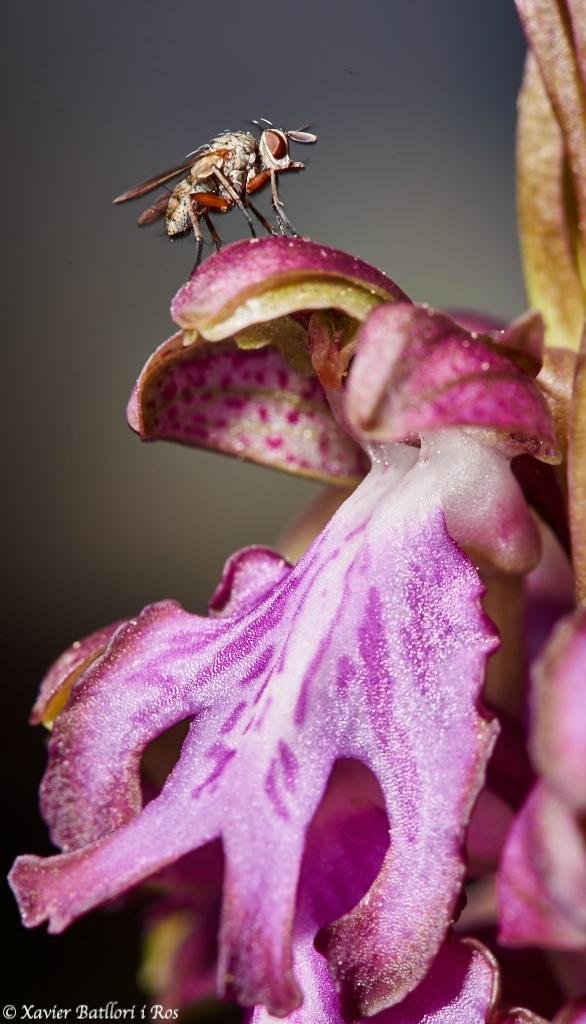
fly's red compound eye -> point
(276, 144)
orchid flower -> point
(355, 748)
(370, 650)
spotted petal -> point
(252, 404)
(373, 648)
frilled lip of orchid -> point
(389, 677)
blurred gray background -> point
(414, 102)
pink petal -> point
(459, 988)
(346, 843)
(509, 779)
(542, 884)
(416, 371)
(490, 520)
(559, 710)
(389, 675)
(522, 340)
(251, 404)
(131, 694)
(243, 277)
(56, 686)
(527, 976)
(248, 577)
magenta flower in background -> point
(360, 761)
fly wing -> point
(154, 212)
(159, 179)
(155, 181)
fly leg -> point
(261, 217)
(195, 217)
(212, 230)
(284, 222)
(200, 205)
(234, 195)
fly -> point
(220, 175)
